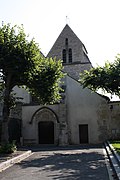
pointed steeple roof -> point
(78, 48)
(69, 48)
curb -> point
(109, 169)
(11, 162)
(114, 152)
(113, 157)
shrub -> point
(8, 148)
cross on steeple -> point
(67, 19)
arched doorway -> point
(46, 132)
(46, 126)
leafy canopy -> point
(21, 63)
(106, 77)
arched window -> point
(66, 41)
(70, 55)
(64, 55)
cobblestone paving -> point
(82, 163)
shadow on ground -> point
(82, 163)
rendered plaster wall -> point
(31, 116)
(85, 107)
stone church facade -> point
(81, 117)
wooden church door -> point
(46, 132)
(83, 133)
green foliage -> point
(116, 145)
(45, 82)
(107, 77)
(8, 148)
(21, 63)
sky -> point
(95, 22)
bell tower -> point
(72, 52)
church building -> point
(81, 117)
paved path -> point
(86, 163)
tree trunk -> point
(4, 135)
(6, 111)
(5, 120)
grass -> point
(116, 145)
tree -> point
(22, 64)
(106, 77)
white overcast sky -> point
(95, 22)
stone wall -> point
(114, 120)
(16, 112)
(79, 52)
(74, 70)
(103, 121)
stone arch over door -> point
(47, 126)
